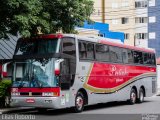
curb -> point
(14, 110)
(158, 92)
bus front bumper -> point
(38, 102)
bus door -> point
(68, 65)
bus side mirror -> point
(4, 69)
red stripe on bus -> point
(56, 89)
(51, 36)
(113, 75)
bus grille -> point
(32, 94)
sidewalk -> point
(11, 110)
(158, 92)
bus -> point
(66, 70)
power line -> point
(130, 15)
(133, 16)
(124, 9)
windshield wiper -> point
(35, 82)
(25, 78)
(20, 85)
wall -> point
(104, 30)
(154, 26)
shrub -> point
(4, 91)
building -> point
(102, 29)
(86, 31)
(7, 48)
(128, 16)
(154, 25)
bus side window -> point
(153, 59)
(68, 46)
(125, 55)
(138, 57)
(86, 50)
(147, 58)
(90, 51)
(115, 54)
(130, 56)
(102, 52)
(82, 50)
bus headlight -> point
(47, 94)
(15, 93)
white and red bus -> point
(60, 71)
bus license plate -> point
(30, 100)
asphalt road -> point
(149, 110)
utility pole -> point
(103, 11)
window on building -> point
(152, 19)
(125, 3)
(114, 5)
(141, 4)
(114, 21)
(126, 36)
(124, 20)
(141, 20)
(152, 35)
(151, 3)
(141, 35)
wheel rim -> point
(79, 103)
(133, 97)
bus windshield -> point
(35, 73)
(39, 46)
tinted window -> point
(127, 56)
(37, 46)
(82, 50)
(102, 52)
(138, 57)
(69, 46)
(147, 58)
(153, 62)
(115, 54)
(86, 50)
(90, 51)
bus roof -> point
(127, 46)
(97, 39)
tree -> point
(24, 16)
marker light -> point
(57, 72)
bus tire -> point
(7, 101)
(133, 96)
(141, 96)
(79, 102)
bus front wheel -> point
(79, 102)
